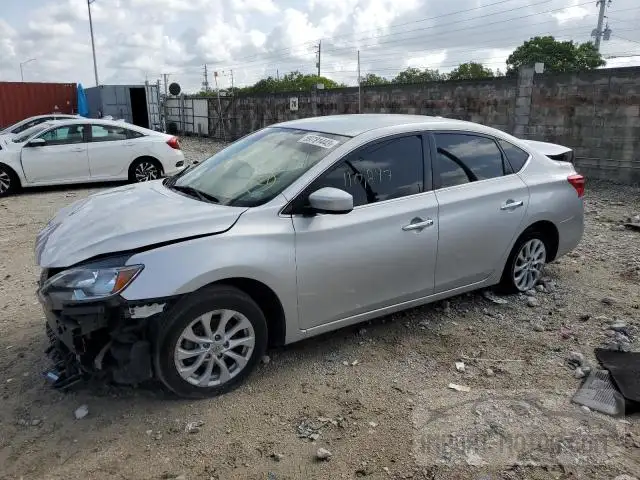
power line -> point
(626, 39)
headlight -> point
(91, 283)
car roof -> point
(355, 124)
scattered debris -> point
(355, 362)
(373, 424)
(584, 317)
(306, 429)
(530, 293)
(533, 302)
(540, 288)
(474, 459)
(579, 373)
(459, 388)
(81, 412)
(276, 456)
(489, 372)
(609, 300)
(585, 409)
(35, 422)
(537, 325)
(323, 454)
(575, 359)
(491, 297)
(633, 226)
(460, 366)
(266, 359)
(193, 427)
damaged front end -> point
(106, 338)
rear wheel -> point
(144, 170)
(9, 182)
(209, 343)
(525, 263)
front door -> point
(63, 157)
(482, 205)
(380, 254)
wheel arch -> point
(268, 302)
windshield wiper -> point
(194, 192)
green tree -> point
(373, 79)
(557, 56)
(415, 75)
(290, 82)
(469, 71)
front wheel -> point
(209, 343)
(9, 182)
(525, 263)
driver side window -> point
(66, 135)
(382, 171)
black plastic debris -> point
(624, 368)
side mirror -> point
(331, 200)
(37, 142)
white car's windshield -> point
(255, 169)
(28, 133)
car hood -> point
(127, 218)
(547, 148)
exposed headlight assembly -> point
(88, 283)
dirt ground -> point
(376, 395)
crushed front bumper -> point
(110, 339)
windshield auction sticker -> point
(318, 141)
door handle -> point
(418, 224)
(510, 205)
(78, 150)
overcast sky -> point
(141, 39)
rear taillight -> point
(577, 181)
(173, 142)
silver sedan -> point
(300, 228)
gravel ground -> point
(374, 397)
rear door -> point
(482, 206)
(380, 254)
(112, 148)
(63, 157)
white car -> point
(22, 125)
(86, 150)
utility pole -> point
(165, 76)
(318, 52)
(232, 80)
(359, 86)
(22, 64)
(93, 46)
(205, 82)
(598, 33)
(215, 78)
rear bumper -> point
(111, 339)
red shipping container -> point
(19, 100)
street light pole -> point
(24, 63)
(93, 47)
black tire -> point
(182, 314)
(144, 163)
(507, 283)
(8, 176)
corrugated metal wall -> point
(19, 100)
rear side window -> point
(516, 156)
(382, 171)
(463, 158)
(108, 133)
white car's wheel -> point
(9, 182)
(144, 170)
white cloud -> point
(262, 6)
(575, 12)
(432, 61)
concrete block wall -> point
(597, 113)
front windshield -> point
(258, 167)
(29, 132)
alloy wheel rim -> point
(214, 348)
(530, 260)
(5, 182)
(146, 171)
